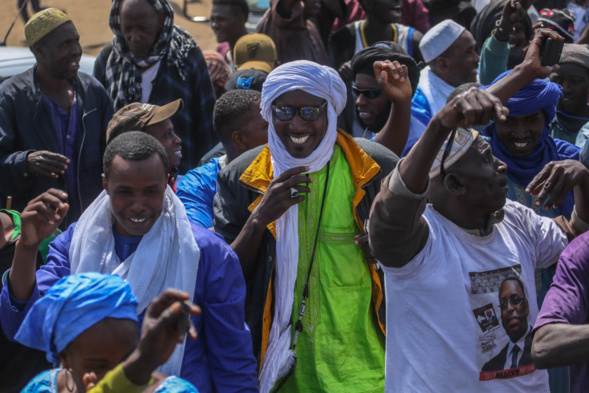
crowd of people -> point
(361, 196)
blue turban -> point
(535, 96)
(72, 305)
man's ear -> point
(237, 139)
(104, 183)
(36, 49)
(442, 64)
(454, 184)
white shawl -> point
(167, 256)
(435, 90)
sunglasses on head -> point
(368, 93)
(307, 112)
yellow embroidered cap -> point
(462, 141)
(43, 23)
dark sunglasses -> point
(307, 112)
(368, 93)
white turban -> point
(323, 82)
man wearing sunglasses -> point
(446, 238)
(294, 212)
(375, 105)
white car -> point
(15, 59)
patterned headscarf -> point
(123, 69)
(71, 306)
(218, 69)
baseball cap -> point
(255, 50)
(247, 79)
(137, 116)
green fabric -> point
(341, 348)
(43, 247)
(493, 61)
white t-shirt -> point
(147, 78)
(443, 315)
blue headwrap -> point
(72, 305)
(537, 95)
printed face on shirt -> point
(164, 133)
(140, 26)
(521, 134)
(59, 52)
(99, 349)
(227, 22)
(514, 309)
(300, 137)
(574, 81)
(136, 190)
(371, 111)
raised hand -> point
(46, 163)
(471, 108)
(279, 196)
(513, 11)
(556, 180)
(393, 80)
(532, 61)
(42, 216)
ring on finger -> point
(294, 192)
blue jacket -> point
(221, 358)
(26, 126)
(197, 192)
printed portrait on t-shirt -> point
(505, 340)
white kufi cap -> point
(439, 38)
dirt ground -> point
(91, 19)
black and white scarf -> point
(123, 69)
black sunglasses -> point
(307, 112)
(368, 93)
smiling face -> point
(514, 309)
(59, 52)
(574, 80)
(463, 63)
(370, 111)
(99, 349)
(521, 134)
(164, 133)
(227, 23)
(300, 137)
(140, 26)
(136, 190)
